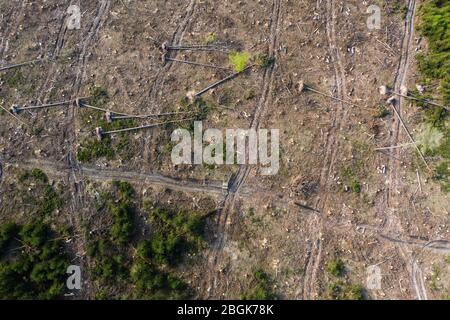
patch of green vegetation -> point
(442, 174)
(421, 99)
(435, 66)
(7, 232)
(382, 112)
(149, 267)
(92, 149)
(352, 180)
(126, 190)
(50, 202)
(435, 284)
(122, 212)
(261, 287)
(199, 111)
(339, 290)
(69, 53)
(249, 94)
(336, 267)
(99, 96)
(153, 283)
(210, 39)
(110, 263)
(239, 60)
(398, 7)
(435, 15)
(355, 186)
(122, 227)
(437, 117)
(175, 233)
(14, 78)
(36, 130)
(434, 141)
(256, 220)
(157, 285)
(39, 175)
(226, 97)
(167, 148)
(354, 172)
(48, 199)
(35, 266)
(24, 176)
(263, 61)
(429, 138)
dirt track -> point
(227, 213)
(395, 167)
(63, 170)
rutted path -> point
(161, 75)
(46, 88)
(226, 215)
(438, 246)
(61, 170)
(11, 28)
(418, 283)
(70, 130)
(175, 41)
(395, 167)
(307, 287)
(97, 23)
(74, 178)
(399, 81)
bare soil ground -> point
(399, 220)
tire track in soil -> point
(307, 287)
(46, 89)
(418, 283)
(394, 179)
(61, 40)
(11, 29)
(439, 246)
(75, 178)
(70, 130)
(62, 169)
(175, 41)
(417, 275)
(226, 215)
(161, 75)
(399, 81)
